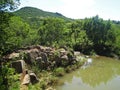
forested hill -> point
(31, 12)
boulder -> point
(76, 53)
(64, 60)
(19, 66)
(44, 62)
(31, 55)
(50, 88)
(26, 80)
(62, 51)
(65, 57)
(11, 56)
(44, 57)
(33, 78)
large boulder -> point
(31, 55)
(26, 80)
(42, 61)
(33, 78)
(19, 66)
(64, 60)
(12, 56)
(62, 51)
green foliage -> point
(83, 43)
(59, 71)
(4, 20)
(32, 12)
(10, 4)
(35, 16)
(51, 31)
(97, 29)
(15, 33)
(7, 77)
(68, 69)
(100, 33)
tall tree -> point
(51, 31)
(9, 4)
(99, 31)
(4, 19)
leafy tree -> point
(99, 31)
(4, 18)
(14, 34)
(51, 31)
(9, 4)
(4, 22)
(17, 34)
(116, 45)
(83, 43)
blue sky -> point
(78, 9)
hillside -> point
(31, 12)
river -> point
(102, 74)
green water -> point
(103, 74)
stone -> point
(31, 55)
(65, 57)
(19, 66)
(76, 53)
(26, 80)
(50, 88)
(63, 51)
(44, 57)
(33, 78)
(13, 55)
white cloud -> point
(78, 8)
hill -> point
(34, 16)
(31, 12)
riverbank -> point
(45, 63)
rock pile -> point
(43, 57)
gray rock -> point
(19, 66)
(31, 55)
(65, 57)
(33, 78)
(76, 53)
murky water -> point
(103, 74)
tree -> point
(99, 32)
(83, 44)
(9, 4)
(75, 29)
(51, 31)
(4, 18)
(17, 34)
(4, 22)
(14, 34)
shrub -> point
(68, 69)
(59, 71)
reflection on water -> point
(103, 74)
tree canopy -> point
(9, 4)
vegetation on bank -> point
(48, 78)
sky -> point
(78, 9)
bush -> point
(68, 69)
(59, 71)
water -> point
(102, 74)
